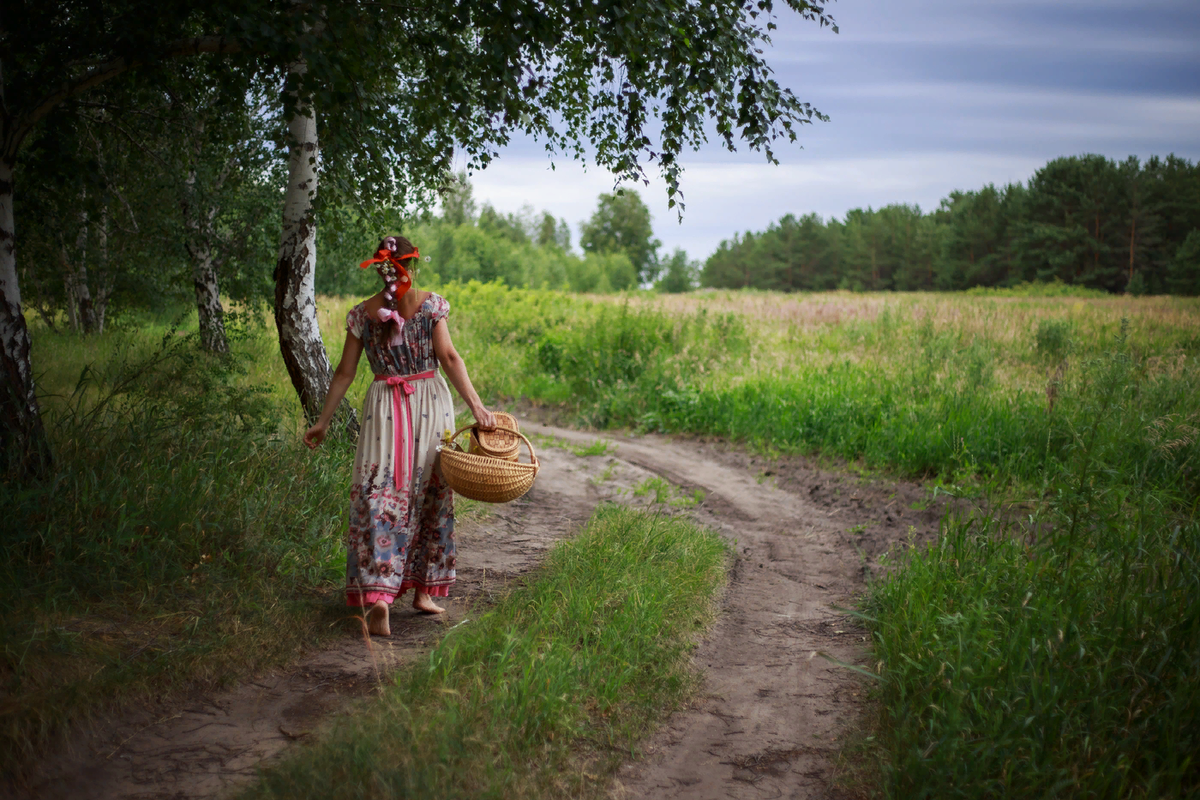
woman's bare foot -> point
(423, 602)
(377, 619)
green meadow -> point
(1048, 645)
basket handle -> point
(475, 426)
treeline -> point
(464, 242)
(1082, 220)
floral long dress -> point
(401, 532)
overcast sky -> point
(925, 96)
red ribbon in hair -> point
(394, 290)
(383, 254)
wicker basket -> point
(500, 442)
(486, 478)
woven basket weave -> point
(500, 442)
(487, 478)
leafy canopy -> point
(436, 80)
(400, 89)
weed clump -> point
(1053, 339)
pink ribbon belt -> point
(402, 424)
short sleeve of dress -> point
(355, 320)
(440, 308)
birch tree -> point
(457, 80)
(64, 50)
(299, 332)
(217, 144)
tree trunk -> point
(69, 291)
(208, 302)
(209, 312)
(81, 311)
(23, 440)
(77, 263)
(103, 277)
(295, 297)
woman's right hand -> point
(484, 418)
(315, 435)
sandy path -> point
(768, 722)
(764, 727)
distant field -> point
(949, 385)
(835, 324)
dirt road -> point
(771, 714)
(769, 717)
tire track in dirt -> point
(769, 720)
(764, 727)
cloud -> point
(1101, 46)
(933, 116)
(925, 96)
(725, 199)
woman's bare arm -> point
(456, 371)
(343, 376)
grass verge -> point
(1059, 658)
(186, 537)
(544, 695)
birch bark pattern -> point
(300, 341)
(103, 277)
(209, 312)
(22, 438)
(208, 302)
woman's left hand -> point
(315, 435)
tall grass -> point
(1062, 660)
(544, 695)
(184, 535)
(936, 386)
(1058, 657)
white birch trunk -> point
(209, 312)
(77, 262)
(295, 295)
(69, 290)
(208, 301)
(23, 442)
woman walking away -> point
(401, 532)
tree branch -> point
(110, 69)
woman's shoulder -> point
(436, 305)
(357, 317)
